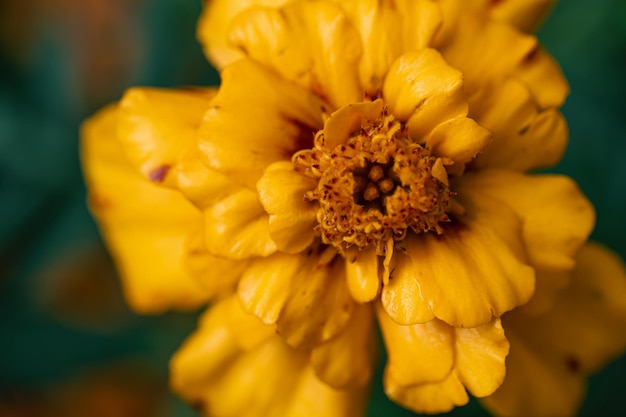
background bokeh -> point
(68, 344)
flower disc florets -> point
(375, 186)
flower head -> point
(361, 159)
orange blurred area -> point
(99, 38)
(117, 390)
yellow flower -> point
(361, 159)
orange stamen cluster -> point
(375, 186)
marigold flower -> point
(361, 159)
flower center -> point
(375, 185)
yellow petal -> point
(387, 31)
(430, 398)
(362, 275)
(552, 354)
(157, 129)
(548, 285)
(557, 218)
(319, 306)
(215, 22)
(249, 124)
(156, 126)
(417, 354)
(424, 90)
(347, 121)
(459, 139)
(480, 353)
(525, 138)
(237, 227)
(477, 268)
(348, 360)
(544, 77)
(473, 358)
(223, 377)
(523, 14)
(526, 15)
(145, 226)
(310, 43)
(314, 398)
(535, 386)
(486, 51)
(292, 218)
(214, 274)
(307, 299)
(267, 284)
(402, 298)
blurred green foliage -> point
(49, 84)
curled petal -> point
(525, 137)
(557, 218)
(214, 24)
(432, 397)
(306, 298)
(348, 359)
(157, 129)
(487, 51)
(479, 262)
(544, 77)
(237, 227)
(240, 138)
(552, 354)
(459, 139)
(147, 234)
(423, 90)
(310, 43)
(431, 365)
(418, 353)
(223, 377)
(292, 218)
(389, 29)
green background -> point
(47, 88)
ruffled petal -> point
(311, 43)
(214, 24)
(430, 398)
(402, 297)
(424, 91)
(417, 354)
(348, 360)
(480, 354)
(216, 275)
(552, 354)
(157, 130)
(543, 75)
(477, 269)
(363, 275)
(523, 14)
(238, 228)
(249, 126)
(431, 365)
(222, 377)
(389, 29)
(557, 216)
(487, 51)
(525, 137)
(148, 233)
(292, 218)
(303, 294)
(156, 126)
